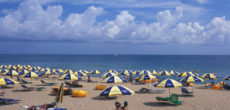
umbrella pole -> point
(169, 91)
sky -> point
(194, 27)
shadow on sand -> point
(184, 95)
(21, 90)
(161, 104)
(103, 98)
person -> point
(118, 106)
(89, 80)
(125, 107)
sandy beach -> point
(203, 99)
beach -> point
(203, 99)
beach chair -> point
(8, 101)
(68, 91)
(163, 98)
(226, 87)
(2, 93)
(25, 82)
(186, 92)
(25, 88)
(47, 84)
(174, 99)
(72, 85)
(18, 79)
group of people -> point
(119, 107)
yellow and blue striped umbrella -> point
(191, 79)
(72, 77)
(147, 77)
(114, 79)
(83, 71)
(1, 66)
(126, 72)
(169, 83)
(60, 70)
(4, 71)
(68, 71)
(108, 74)
(54, 71)
(154, 72)
(185, 74)
(145, 72)
(12, 73)
(48, 72)
(42, 70)
(116, 91)
(172, 72)
(227, 78)
(30, 75)
(208, 76)
(24, 71)
(164, 73)
(113, 71)
(7, 81)
(136, 73)
(95, 72)
(80, 73)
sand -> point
(203, 99)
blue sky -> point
(115, 27)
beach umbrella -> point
(114, 91)
(145, 72)
(60, 93)
(227, 78)
(3, 71)
(1, 66)
(95, 72)
(185, 74)
(12, 73)
(147, 77)
(7, 81)
(136, 73)
(174, 72)
(114, 79)
(169, 83)
(164, 73)
(54, 71)
(48, 72)
(83, 71)
(60, 70)
(154, 72)
(192, 79)
(30, 75)
(108, 74)
(42, 70)
(208, 76)
(113, 71)
(71, 77)
(126, 72)
(68, 71)
(80, 73)
(33, 69)
(24, 71)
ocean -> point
(219, 64)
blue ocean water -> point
(219, 64)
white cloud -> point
(202, 1)
(31, 21)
